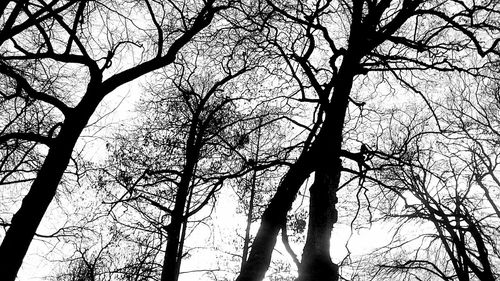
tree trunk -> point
(325, 148)
(170, 269)
(171, 262)
(272, 220)
(34, 205)
(246, 242)
(173, 251)
(316, 261)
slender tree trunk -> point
(246, 242)
(34, 205)
(170, 270)
(171, 262)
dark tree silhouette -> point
(42, 38)
(189, 142)
(445, 181)
(328, 44)
(59, 60)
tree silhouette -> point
(396, 38)
(50, 38)
(391, 104)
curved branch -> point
(286, 243)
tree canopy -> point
(257, 139)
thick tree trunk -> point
(326, 148)
(27, 219)
(25, 222)
(272, 220)
(316, 261)
(322, 152)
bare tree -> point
(324, 50)
(445, 182)
(355, 38)
(40, 41)
(195, 122)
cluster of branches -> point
(445, 182)
(241, 89)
